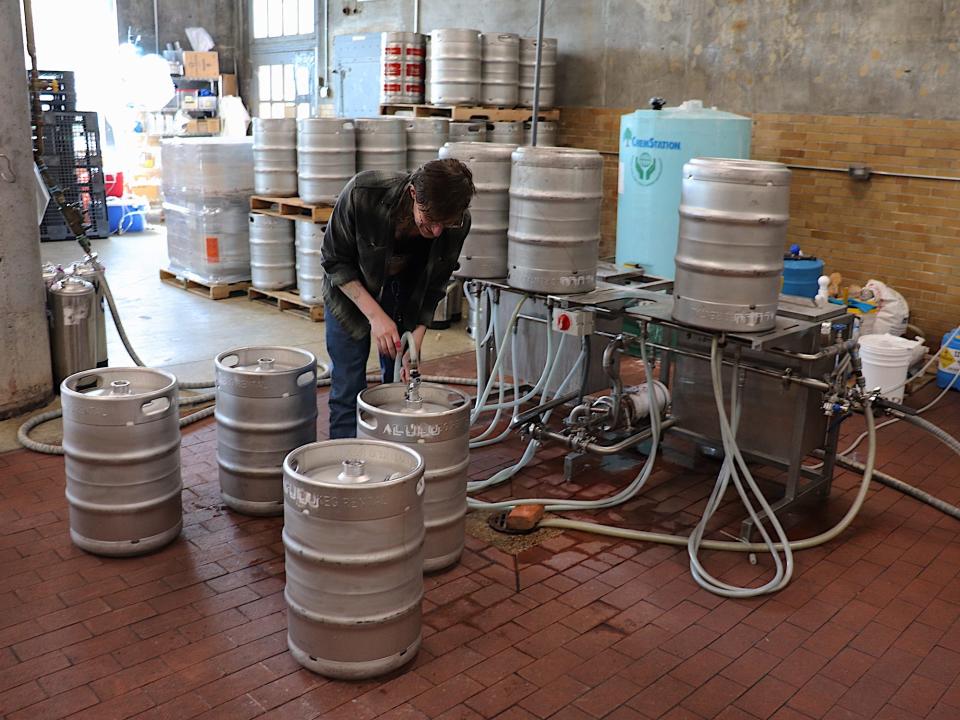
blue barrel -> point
(948, 366)
(800, 276)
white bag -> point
(892, 311)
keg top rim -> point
(72, 285)
(533, 40)
(461, 149)
(105, 376)
(454, 30)
(425, 120)
(548, 155)
(380, 120)
(738, 170)
(352, 449)
(253, 353)
(429, 392)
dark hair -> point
(443, 188)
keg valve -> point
(354, 471)
(120, 387)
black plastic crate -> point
(54, 227)
(55, 101)
(75, 134)
(54, 81)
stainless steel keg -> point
(73, 327)
(546, 133)
(326, 158)
(309, 241)
(353, 534)
(266, 407)
(506, 132)
(468, 131)
(275, 157)
(433, 420)
(548, 71)
(554, 233)
(733, 228)
(272, 257)
(87, 269)
(425, 137)
(121, 442)
(499, 69)
(381, 143)
(454, 66)
(402, 58)
(484, 252)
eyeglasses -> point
(456, 225)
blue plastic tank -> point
(800, 276)
(948, 367)
(654, 145)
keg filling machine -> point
(789, 388)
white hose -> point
(553, 357)
(406, 341)
(531, 449)
(743, 547)
(482, 398)
(862, 436)
(618, 498)
(729, 471)
(475, 413)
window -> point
(281, 89)
(282, 18)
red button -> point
(563, 322)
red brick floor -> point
(869, 627)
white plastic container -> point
(885, 360)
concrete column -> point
(25, 375)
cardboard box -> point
(201, 64)
(228, 85)
(204, 126)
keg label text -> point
(304, 499)
(412, 430)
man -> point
(390, 248)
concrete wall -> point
(221, 18)
(839, 57)
(25, 374)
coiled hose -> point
(743, 547)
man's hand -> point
(384, 332)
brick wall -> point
(902, 231)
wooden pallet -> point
(468, 112)
(212, 292)
(287, 301)
(292, 208)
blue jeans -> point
(348, 356)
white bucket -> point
(885, 360)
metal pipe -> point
(416, 16)
(326, 42)
(156, 27)
(541, 10)
(611, 366)
(806, 382)
(846, 171)
(596, 449)
(34, 73)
